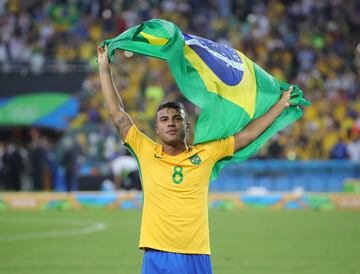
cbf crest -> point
(195, 160)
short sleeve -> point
(137, 142)
(221, 148)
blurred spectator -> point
(51, 167)
(14, 166)
(69, 163)
(121, 167)
(353, 149)
(275, 149)
(2, 166)
(339, 151)
(37, 160)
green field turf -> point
(248, 242)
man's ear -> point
(156, 128)
(187, 126)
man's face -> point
(171, 126)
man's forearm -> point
(110, 93)
(258, 126)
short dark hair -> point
(175, 105)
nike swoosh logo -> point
(158, 157)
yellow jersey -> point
(175, 209)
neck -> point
(174, 149)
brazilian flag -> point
(230, 89)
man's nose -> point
(171, 123)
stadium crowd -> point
(311, 43)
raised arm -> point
(259, 125)
(112, 97)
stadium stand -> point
(313, 44)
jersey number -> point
(178, 177)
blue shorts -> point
(160, 262)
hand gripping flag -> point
(229, 88)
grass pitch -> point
(243, 242)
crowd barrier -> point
(284, 175)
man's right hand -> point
(103, 59)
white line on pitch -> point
(54, 234)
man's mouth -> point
(172, 132)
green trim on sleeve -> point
(137, 160)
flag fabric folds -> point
(230, 89)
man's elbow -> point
(116, 115)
